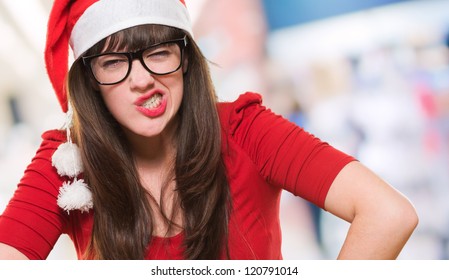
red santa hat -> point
(83, 23)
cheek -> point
(113, 102)
(108, 101)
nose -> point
(139, 77)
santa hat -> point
(83, 23)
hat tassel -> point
(74, 195)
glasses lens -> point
(110, 68)
(162, 59)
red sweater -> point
(263, 154)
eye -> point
(160, 53)
(111, 62)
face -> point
(144, 104)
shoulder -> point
(244, 100)
(54, 136)
(51, 140)
(41, 162)
(233, 113)
(41, 175)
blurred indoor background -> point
(370, 77)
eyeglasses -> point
(159, 59)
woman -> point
(152, 167)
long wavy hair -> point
(123, 222)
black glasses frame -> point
(182, 43)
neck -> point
(153, 151)
(154, 158)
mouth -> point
(150, 100)
(153, 102)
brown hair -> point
(123, 216)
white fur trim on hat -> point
(106, 17)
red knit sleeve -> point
(285, 154)
(32, 222)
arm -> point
(287, 156)
(32, 221)
(10, 253)
(381, 218)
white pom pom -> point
(75, 196)
(67, 160)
